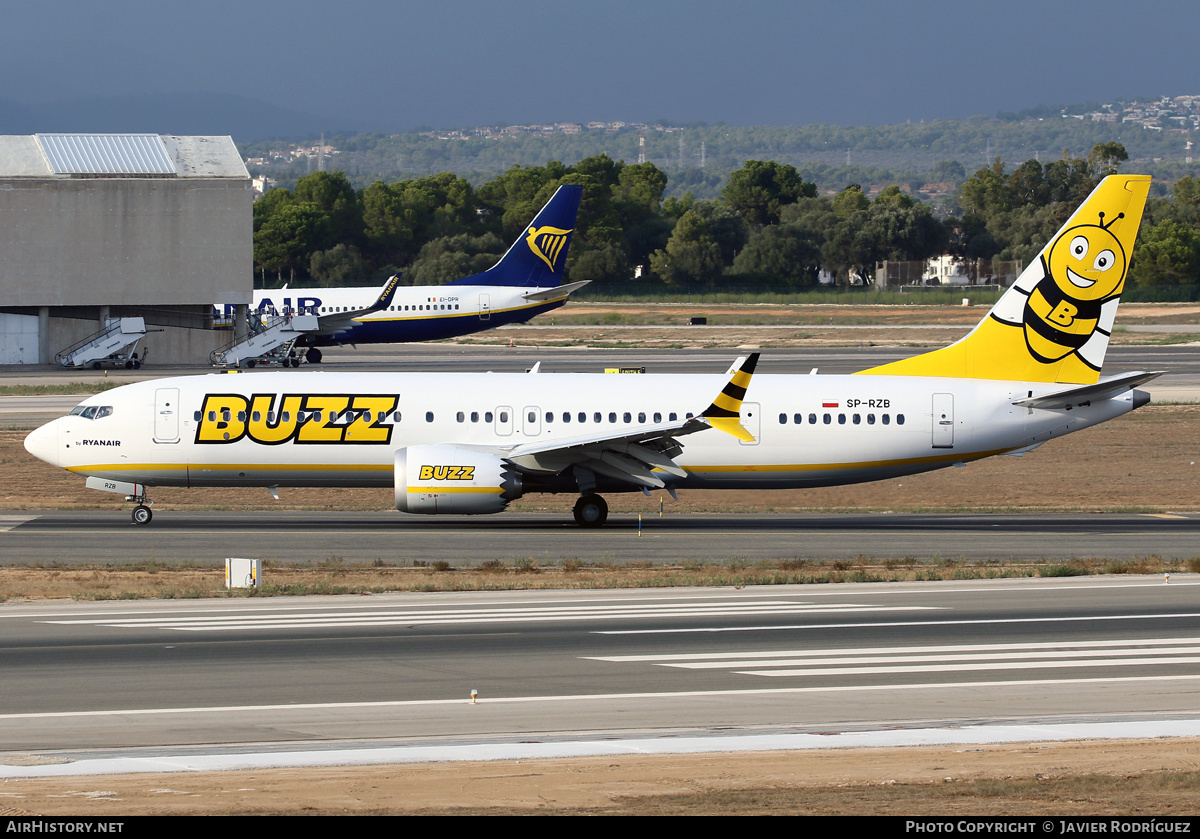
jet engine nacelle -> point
(449, 479)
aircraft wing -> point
(332, 323)
(555, 292)
(637, 454)
(631, 456)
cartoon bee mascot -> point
(1070, 307)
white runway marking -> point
(868, 651)
(933, 659)
(442, 617)
(1081, 618)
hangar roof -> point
(119, 156)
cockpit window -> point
(91, 411)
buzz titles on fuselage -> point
(271, 419)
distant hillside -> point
(699, 158)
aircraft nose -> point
(42, 443)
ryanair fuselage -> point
(416, 313)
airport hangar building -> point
(100, 226)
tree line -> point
(768, 229)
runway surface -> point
(104, 680)
(312, 537)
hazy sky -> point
(446, 63)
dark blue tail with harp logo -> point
(538, 257)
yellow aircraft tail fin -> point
(1053, 324)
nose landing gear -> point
(142, 512)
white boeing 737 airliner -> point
(474, 442)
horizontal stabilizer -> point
(1104, 389)
(555, 292)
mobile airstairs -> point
(116, 344)
(269, 342)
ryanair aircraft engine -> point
(449, 479)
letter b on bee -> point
(1063, 314)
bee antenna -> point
(1111, 223)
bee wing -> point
(1092, 352)
(1010, 308)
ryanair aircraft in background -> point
(527, 281)
(475, 442)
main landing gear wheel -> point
(591, 511)
(142, 514)
(313, 356)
